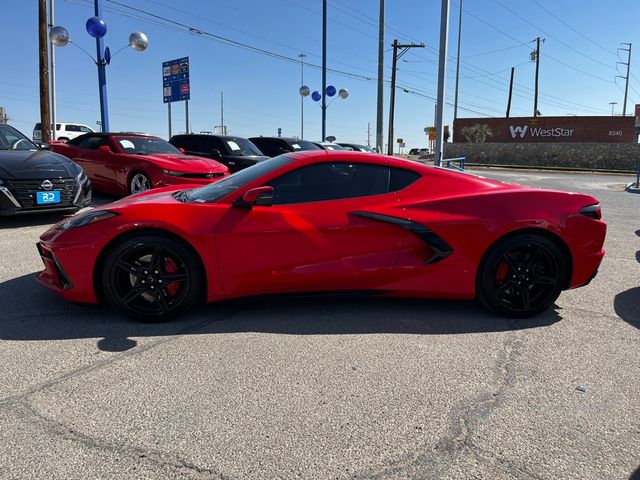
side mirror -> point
(215, 153)
(260, 196)
(104, 149)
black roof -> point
(205, 135)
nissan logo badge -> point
(46, 185)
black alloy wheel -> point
(522, 276)
(151, 278)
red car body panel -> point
(111, 172)
(364, 243)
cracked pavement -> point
(317, 387)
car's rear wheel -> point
(139, 182)
(151, 278)
(521, 276)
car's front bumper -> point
(17, 198)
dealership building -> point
(567, 129)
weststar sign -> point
(551, 129)
(521, 131)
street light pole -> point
(301, 56)
(380, 96)
(612, 105)
(52, 74)
(102, 73)
(324, 70)
(455, 101)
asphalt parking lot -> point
(319, 388)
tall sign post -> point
(176, 86)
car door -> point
(98, 165)
(313, 237)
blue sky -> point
(578, 62)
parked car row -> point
(123, 163)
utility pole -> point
(510, 92)
(535, 97)
(43, 44)
(368, 134)
(379, 107)
(52, 73)
(455, 102)
(301, 56)
(392, 98)
(626, 86)
(442, 73)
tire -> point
(151, 278)
(139, 182)
(521, 276)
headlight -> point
(86, 219)
(173, 173)
(81, 178)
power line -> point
(573, 29)
(584, 72)
(520, 45)
(552, 36)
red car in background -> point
(329, 221)
(124, 163)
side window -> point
(93, 142)
(72, 128)
(330, 181)
(185, 142)
(401, 178)
(214, 143)
(82, 128)
(270, 147)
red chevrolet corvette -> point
(128, 163)
(328, 221)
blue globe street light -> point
(97, 28)
(330, 91)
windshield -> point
(216, 190)
(12, 139)
(298, 145)
(146, 145)
(242, 147)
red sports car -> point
(131, 163)
(328, 221)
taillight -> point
(592, 211)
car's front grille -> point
(24, 191)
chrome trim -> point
(75, 200)
(10, 196)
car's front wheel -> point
(139, 182)
(151, 278)
(521, 276)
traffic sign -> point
(175, 80)
(400, 140)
